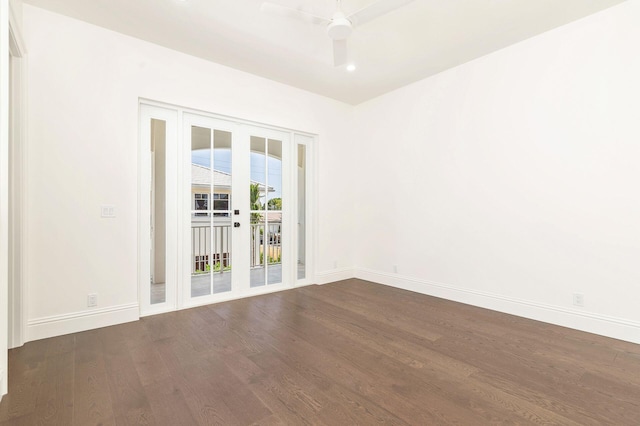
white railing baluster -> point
(212, 245)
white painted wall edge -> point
(18, 104)
(4, 191)
(333, 275)
(57, 325)
(617, 328)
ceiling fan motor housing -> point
(340, 27)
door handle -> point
(236, 224)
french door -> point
(226, 205)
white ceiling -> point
(406, 45)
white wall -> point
(511, 182)
(508, 182)
(84, 85)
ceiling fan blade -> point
(290, 12)
(375, 10)
(339, 52)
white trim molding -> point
(617, 328)
(18, 188)
(333, 275)
(4, 191)
(57, 325)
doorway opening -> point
(225, 213)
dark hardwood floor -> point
(346, 353)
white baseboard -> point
(333, 275)
(617, 328)
(57, 325)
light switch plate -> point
(108, 211)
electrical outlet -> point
(92, 300)
(395, 269)
(335, 264)
(578, 299)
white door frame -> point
(208, 121)
(309, 206)
(147, 112)
(289, 200)
(18, 188)
(243, 128)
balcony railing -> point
(211, 246)
(271, 238)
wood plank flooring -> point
(346, 353)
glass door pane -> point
(158, 292)
(210, 211)
(266, 205)
(302, 201)
(273, 215)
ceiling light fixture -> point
(351, 67)
(339, 26)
